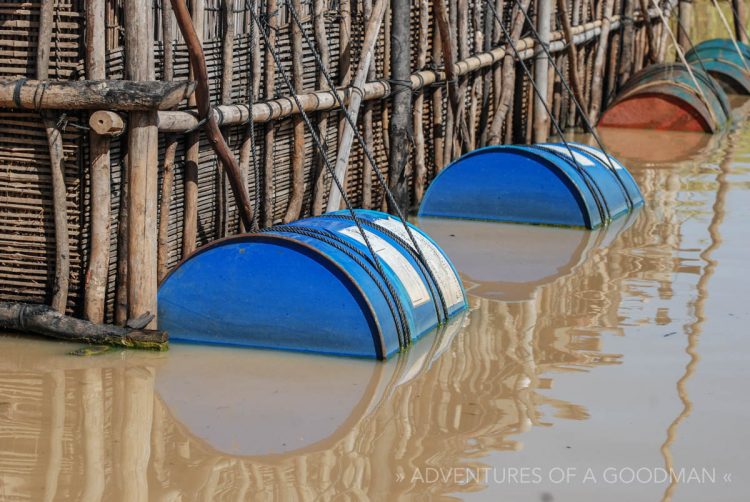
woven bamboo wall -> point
(26, 226)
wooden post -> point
(574, 76)
(57, 167)
(368, 133)
(685, 20)
(653, 49)
(448, 45)
(541, 70)
(227, 74)
(98, 271)
(143, 171)
(294, 208)
(420, 166)
(400, 127)
(168, 174)
(321, 40)
(269, 91)
(342, 159)
(738, 8)
(438, 130)
(600, 61)
(628, 41)
(192, 156)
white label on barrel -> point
(582, 160)
(441, 269)
(404, 270)
(601, 156)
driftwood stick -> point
(321, 41)
(599, 62)
(508, 78)
(204, 108)
(294, 209)
(269, 87)
(57, 168)
(420, 165)
(121, 95)
(43, 320)
(342, 159)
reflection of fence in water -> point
(70, 428)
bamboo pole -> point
(269, 88)
(477, 80)
(438, 130)
(599, 62)
(420, 167)
(685, 20)
(227, 75)
(211, 127)
(294, 209)
(321, 41)
(487, 77)
(57, 167)
(400, 126)
(574, 76)
(97, 274)
(448, 45)
(462, 27)
(170, 152)
(192, 153)
(342, 159)
(541, 70)
(367, 128)
(143, 171)
(628, 40)
(508, 78)
(653, 49)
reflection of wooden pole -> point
(92, 408)
(135, 438)
(56, 427)
(143, 169)
(57, 167)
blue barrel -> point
(721, 60)
(314, 286)
(539, 184)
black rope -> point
(406, 339)
(361, 141)
(579, 107)
(601, 204)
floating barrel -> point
(313, 286)
(539, 184)
(721, 60)
(664, 96)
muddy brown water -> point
(590, 366)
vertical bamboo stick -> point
(541, 70)
(143, 173)
(367, 127)
(400, 126)
(192, 155)
(488, 43)
(167, 177)
(462, 27)
(269, 88)
(57, 167)
(298, 149)
(438, 131)
(420, 167)
(321, 41)
(98, 270)
(653, 49)
(477, 79)
(599, 62)
(628, 41)
(574, 76)
(685, 20)
(345, 79)
(227, 75)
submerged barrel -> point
(314, 286)
(719, 57)
(538, 184)
(665, 97)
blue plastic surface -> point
(284, 290)
(537, 184)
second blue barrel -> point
(314, 286)
(549, 184)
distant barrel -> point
(665, 96)
(314, 286)
(539, 184)
(720, 58)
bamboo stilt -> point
(400, 126)
(269, 88)
(294, 208)
(653, 47)
(367, 128)
(121, 292)
(227, 75)
(600, 60)
(574, 76)
(738, 8)
(321, 41)
(420, 166)
(541, 71)
(192, 154)
(57, 167)
(628, 41)
(438, 131)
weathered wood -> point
(738, 10)
(476, 80)
(57, 167)
(143, 169)
(448, 45)
(628, 41)
(121, 291)
(367, 129)
(400, 126)
(99, 149)
(508, 77)
(685, 22)
(599, 62)
(342, 159)
(653, 49)
(541, 70)
(574, 76)
(122, 95)
(420, 165)
(106, 123)
(227, 75)
(269, 92)
(248, 139)
(438, 131)
(192, 149)
(45, 321)
(462, 42)
(321, 41)
(294, 209)
(211, 126)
